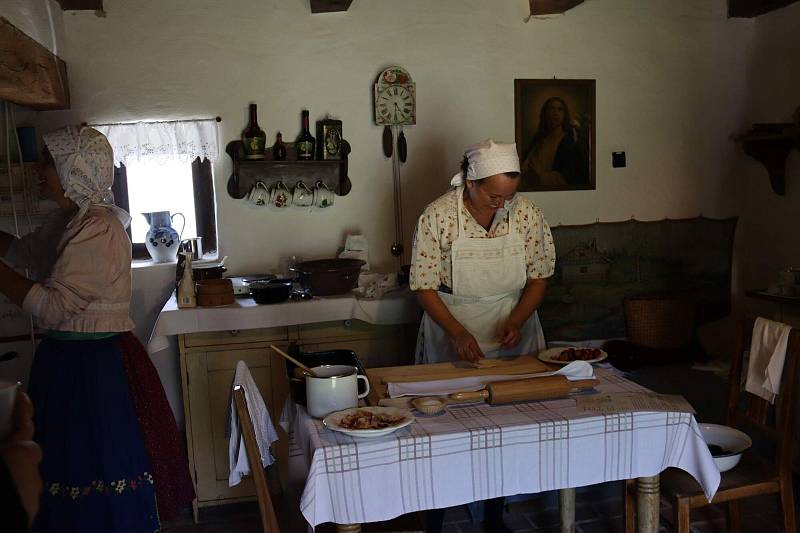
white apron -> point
(488, 276)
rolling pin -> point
(525, 390)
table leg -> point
(348, 528)
(566, 498)
(647, 503)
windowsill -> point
(148, 263)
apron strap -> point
(459, 208)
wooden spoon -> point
(293, 360)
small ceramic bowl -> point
(726, 444)
(429, 405)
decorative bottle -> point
(253, 137)
(279, 149)
(305, 142)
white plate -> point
(551, 354)
(332, 421)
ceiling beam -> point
(552, 7)
(30, 74)
(329, 6)
(754, 8)
(92, 5)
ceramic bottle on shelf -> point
(162, 240)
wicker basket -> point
(661, 322)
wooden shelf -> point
(246, 172)
(770, 145)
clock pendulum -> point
(402, 148)
(388, 141)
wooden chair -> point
(754, 475)
(269, 522)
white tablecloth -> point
(476, 452)
(394, 308)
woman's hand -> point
(22, 456)
(508, 334)
(466, 346)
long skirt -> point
(96, 472)
(162, 439)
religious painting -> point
(555, 134)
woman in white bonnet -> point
(97, 469)
(480, 262)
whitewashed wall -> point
(670, 90)
(770, 224)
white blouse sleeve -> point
(85, 268)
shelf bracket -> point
(770, 145)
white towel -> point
(767, 354)
(262, 425)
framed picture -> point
(555, 134)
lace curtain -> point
(180, 140)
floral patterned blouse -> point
(436, 230)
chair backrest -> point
(269, 522)
(750, 412)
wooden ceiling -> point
(754, 8)
(69, 5)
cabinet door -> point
(209, 378)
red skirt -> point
(162, 439)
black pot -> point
(270, 292)
(327, 277)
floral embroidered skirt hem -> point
(95, 467)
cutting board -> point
(379, 377)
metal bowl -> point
(726, 444)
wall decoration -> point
(555, 134)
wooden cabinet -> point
(208, 362)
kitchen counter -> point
(394, 308)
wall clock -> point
(395, 98)
(395, 101)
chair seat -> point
(752, 472)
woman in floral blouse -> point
(480, 262)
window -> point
(166, 166)
(174, 186)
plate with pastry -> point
(368, 421)
(563, 355)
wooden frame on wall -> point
(553, 158)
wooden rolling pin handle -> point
(472, 396)
(532, 389)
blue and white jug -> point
(161, 240)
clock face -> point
(394, 104)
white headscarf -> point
(488, 158)
(84, 161)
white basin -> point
(732, 441)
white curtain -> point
(180, 140)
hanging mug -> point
(302, 195)
(259, 194)
(323, 196)
(280, 196)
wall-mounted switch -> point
(617, 159)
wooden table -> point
(477, 452)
